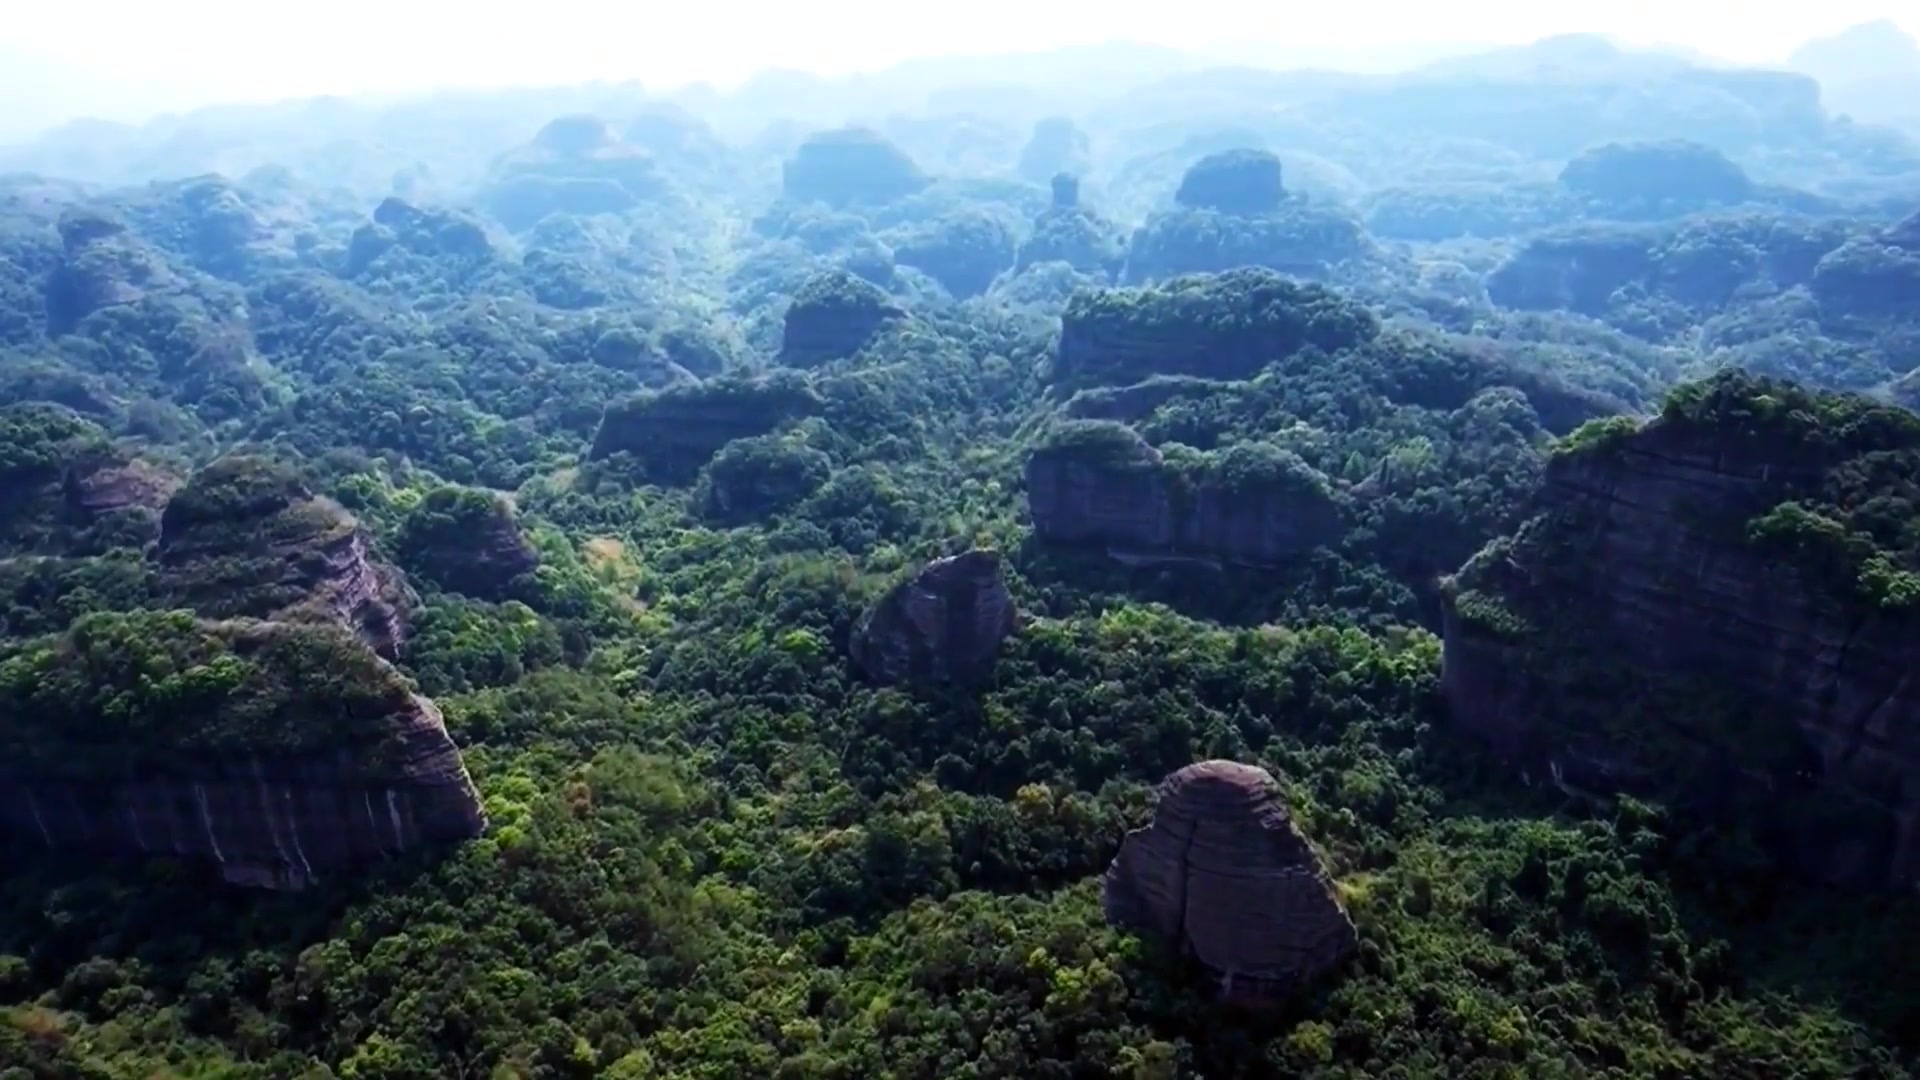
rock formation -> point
(674, 432)
(1223, 872)
(103, 266)
(751, 479)
(574, 165)
(850, 165)
(1056, 146)
(1716, 609)
(308, 755)
(1224, 326)
(428, 234)
(1305, 239)
(833, 315)
(466, 541)
(246, 538)
(1098, 484)
(943, 625)
(1673, 176)
(964, 251)
(1233, 182)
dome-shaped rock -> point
(467, 541)
(1223, 871)
(942, 625)
(1233, 182)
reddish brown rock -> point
(1634, 636)
(245, 538)
(1223, 872)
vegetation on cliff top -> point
(714, 852)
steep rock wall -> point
(1634, 635)
(268, 822)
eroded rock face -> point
(675, 432)
(266, 819)
(1223, 871)
(1224, 326)
(466, 541)
(833, 315)
(246, 539)
(943, 625)
(1098, 484)
(1637, 635)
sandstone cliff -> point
(676, 431)
(1098, 484)
(245, 538)
(466, 541)
(833, 315)
(297, 753)
(1717, 608)
(943, 625)
(1223, 326)
(1223, 872)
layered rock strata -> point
(245, 539)
(1098, 484)
(943, 625)
(270, 819)
(1223, 872)
(1674, 622)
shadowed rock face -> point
(244, 538)
(943, 625)
(1634, 635)
(1223, 872)
(268, 819)
(677, 431)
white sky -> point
(182, 52)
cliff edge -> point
(1720, 608)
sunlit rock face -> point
(1223, 872)
(246, 538)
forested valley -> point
(1213, 572)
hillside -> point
(578, 583)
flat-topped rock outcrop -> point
(1720, 608)
(1223, 872)
(1096, 483)
(466, 541)
(277, 752)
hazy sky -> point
(146, 56)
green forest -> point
(596, 582)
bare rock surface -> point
(245, 538)
(1635, 635)
(942, 625)
(306, 799)
(1223, 871)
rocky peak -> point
(1093, 483)
(850, 165)
(942, 625)
(833, 315)
(244, 537)
(676, 431)
(1225, 326)
(466, 541)
(1719, 608)
(1233, 182)
(1066, 191)
(1223, 872)
(81, 226)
